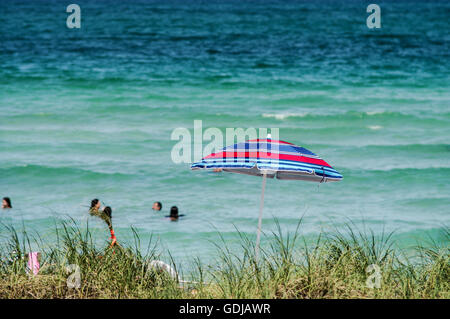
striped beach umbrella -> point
(270, 158)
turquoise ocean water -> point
(89, 113)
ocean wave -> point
(48, 172)
(398, 173)
(375, 127)
(375, 112)
(410, 147)
(350, 115)
(282, 116)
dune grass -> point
(340, 264)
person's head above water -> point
(95, 203)
(174, 212)
(6, 202)
(108, 211)
(157, 206)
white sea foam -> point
(283, 116)
(375, 112)
(375, 127)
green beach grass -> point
(335, 266)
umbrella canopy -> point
(270, 158)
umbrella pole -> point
(261, 206)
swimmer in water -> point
(157, 206)
(6, 203)
(95, 206)
(174, 214)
